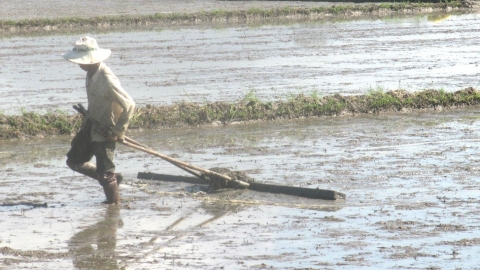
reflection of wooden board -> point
(262, 187)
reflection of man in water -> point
(110, 106)
(94, 247)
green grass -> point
(250, 108)
(31, 124)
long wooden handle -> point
(129, 140)
(131, 143)
(181, 164)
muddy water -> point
(28, 9)
(410, 180)
(162, 65)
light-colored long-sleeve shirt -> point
(108, 103)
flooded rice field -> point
(159, 65)
(410, 180)
(32, 9)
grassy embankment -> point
(46, 24)
(30, 124)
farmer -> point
(111, 109)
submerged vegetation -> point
(30, 124)
(49, 24)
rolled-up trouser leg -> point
(88, 168)
(110, 187)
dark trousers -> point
(83, 149)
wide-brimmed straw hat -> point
(86, 51)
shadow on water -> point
(94, 247)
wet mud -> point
(217, 183)
(410, 182)
(411, 179)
